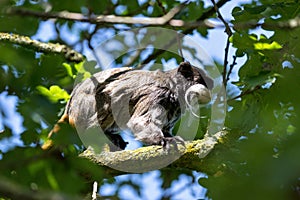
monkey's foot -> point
(166, 141)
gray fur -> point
(147, 102)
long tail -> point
(49, 143)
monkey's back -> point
(81, 108)
(109, 97)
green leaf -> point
(54, 93)
(80, 67)
(255, 9)
(267, 46)
(69, 69)
(51, 178)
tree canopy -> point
(47, 46)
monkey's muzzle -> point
(197, 94)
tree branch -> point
(113, 19)
(249, 91)
(166, 19)
(98, 19)
(155, 157)
(68, 53)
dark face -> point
(195, 74)
(200, 84)
(200, 77)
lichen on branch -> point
(150, 158)
(68, 53)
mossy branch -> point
(68, 53)
(149, 158)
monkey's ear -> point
(186, 70)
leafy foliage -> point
(260, 158)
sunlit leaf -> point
(82, 71)
(69, 69)
(54, 93)
(266, 46)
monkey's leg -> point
(148, 128)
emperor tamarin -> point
(147, 102)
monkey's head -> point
(200, 85)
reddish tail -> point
(49, 143)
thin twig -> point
(201, 20)
(199, 23)
(227, 27)
(225, 62)
(179, 39)
(157, 52)
(212, 10)
(231, 68)
(249, 91)
(161, 6)
(229, 33)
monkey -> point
(149, 103)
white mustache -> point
(196, 95)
